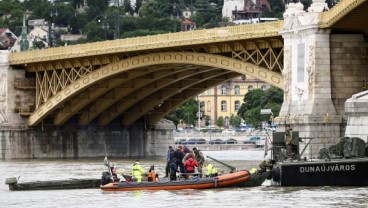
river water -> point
(262, 196)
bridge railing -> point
(150, 42)
(338, 11)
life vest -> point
(211, 170)
(137, 171)
(151, 176)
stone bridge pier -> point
(321, 71)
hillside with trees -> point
(99, 21)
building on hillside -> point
(226, 98)
(245, 10)
(7, 39)
(188, 12)
(38, 23)
(188, 25)
(35, 35)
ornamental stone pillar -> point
(308, 106)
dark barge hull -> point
(342, 172)
(55, 184)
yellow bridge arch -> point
(150, 84)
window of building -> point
(223, 90)
(237, 90)
(223, 106)
(264, 87)
(237, 105)
(209, 92)
(208, 106)
(250, 87)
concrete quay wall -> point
(86, 142)
(220, 147)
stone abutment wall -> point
(85, 142)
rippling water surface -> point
(262, 196)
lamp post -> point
(117, 21)
(188, 119)
(191, 8)
(52, 36)
(199, 113)
(259, 11)
(105, 24)
(210, 131)
(175, 15)
(249, 114)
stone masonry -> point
(308, 103)
(321, 71)
(349, 63)
(357, 110)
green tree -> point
(272, 95)
(235, 120)
(220, 121)
(258, 99)
(12, 15)
(38, 45)
(128, 8)
(207, 13)
(65, 14)
(207, 120)
(138, 5)
(93, 31)
(277, 7)
(174, 116)
(78, 23)
(186, 113)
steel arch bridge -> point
(147, 77)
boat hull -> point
(256, 179)
(200, 183)
(344, 172)
(55, 184)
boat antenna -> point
(106, 162)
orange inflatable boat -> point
(231, 179)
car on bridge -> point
(180, 141)
(231, 141)
(252, 140)
(201, 141)
(229, 131)
(195, 141)
(216, 141)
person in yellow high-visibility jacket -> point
(137, 171)
(211, 170)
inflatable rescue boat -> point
(227, 180)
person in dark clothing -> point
(179, 155)
(169, 157)
(173, 169)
